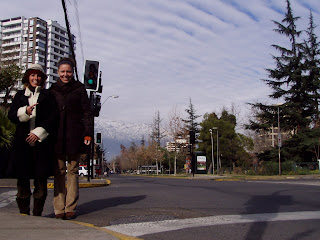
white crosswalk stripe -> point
(140, 229)
(7, 198)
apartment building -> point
(34, 40)
(176, 146)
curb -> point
(113, 233)
(222, 178)
(87, 185)
(50, 185)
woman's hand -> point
(32, 138)
(30, 109)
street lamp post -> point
(113, 96)
(216, 128)
(212, 157)
(279, 134)
(279, 141)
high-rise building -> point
(33, 40)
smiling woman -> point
(34, 112)
(74, 131)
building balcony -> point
(10, 37)
(8, 30)
(41, 34)
(11, 51)
(10, 44)
(10, 58)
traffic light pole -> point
(90, 154)
(92, 82)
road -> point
(167, 208)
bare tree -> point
(175, 129)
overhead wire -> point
(79, 28)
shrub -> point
(7, 129)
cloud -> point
(156, 54)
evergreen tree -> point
(157, 134)
(233, 147)
(9, 74)
(143, 141)
(191, 123)
(311, 53)
(288, 82)
(7, 129)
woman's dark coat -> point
(75, 117)
(30, 162)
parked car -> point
(83, 171)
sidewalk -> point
(14, 226)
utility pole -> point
(212, 156)
(70, 37)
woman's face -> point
(35, 79)
(65, 72)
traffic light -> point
(100, 84)
(91, 75)
(97, 105)
(98, 140)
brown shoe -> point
(60, 216)
(70, 215)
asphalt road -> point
(166, 208)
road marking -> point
(7, 198)
(115, 234)
(313, 183)
(140, 229)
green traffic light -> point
(90, 81)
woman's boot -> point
(24, 205)
(38, 205)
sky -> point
(157, 54)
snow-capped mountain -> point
(116, 133)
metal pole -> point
(89, 153)
(212, 156)
(217, 151)
(279, 141)
(113, 96)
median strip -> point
(88, 184)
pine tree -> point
(311, 54)
(191, 123)
(157, 134)
(9, 74)
(288, 82)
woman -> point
(35, 114)
(74, 131)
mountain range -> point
(114, 133)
